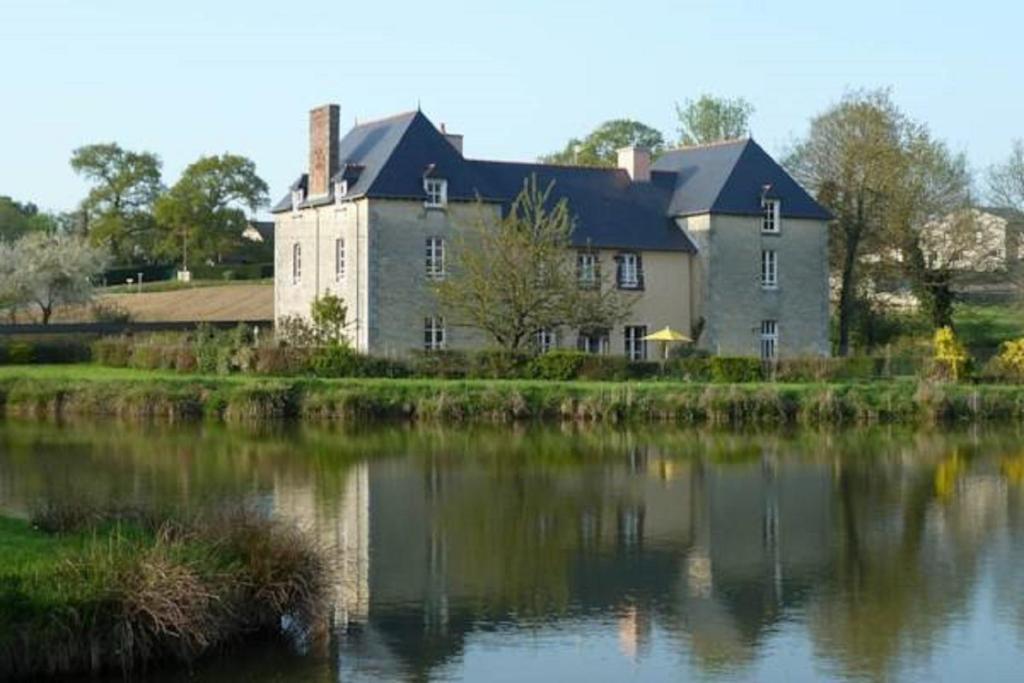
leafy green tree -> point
(329, 316)
(17, 219)
(204, 213)
(516, 275)
(50, 270)
(118, 210)
(600, 148)
(712, 119)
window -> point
(636, 346)
(340, 189)
(592, 342)
(296, 263)
(437, 192)
(433, 333)
(546, 340)
(630, 271)
(769, 269)
(296, 199)
(771, 215)
(769, 339)
(435, 258)
(339, 259)
(587, 268)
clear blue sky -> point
(518, 78)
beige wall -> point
(316, 229)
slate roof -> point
(388, 159)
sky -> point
(518, 78)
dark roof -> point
(390, 157)
(264, 228)
(729, 177)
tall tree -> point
(600, 148)
(50, 270)
(1006, 180)
(712, 119)
(17, 219)
(853, 161)
(119, 206)
(204, 213)
(514, 276)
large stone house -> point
(717, 240)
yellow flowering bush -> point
(950, 355)
(1011, 358)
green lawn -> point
(988, 326)
(174, 285)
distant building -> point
(717, 239)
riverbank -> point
(55, 391)
(84, 592)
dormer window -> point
(771, 215)
(437, 192)
(340, 189)
(296, 199)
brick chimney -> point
(636, 161)
(324, 123)
(454, 139)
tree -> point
(17, 219)
(852, 160)
(712, 119)
(514, 276)
(600, 148)
(119, 207)
(203, 214)
(50, 270)
(1006, 180)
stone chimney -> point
(324, 123)
(636, 161)
(454, 138)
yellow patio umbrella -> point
(667, 336)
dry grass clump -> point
(123, 590)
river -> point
(598, 554)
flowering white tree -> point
(49, 270)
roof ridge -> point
(580, 167)
(716, 143)
(385, 119)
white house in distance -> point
(715, 239)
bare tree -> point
(1006, 180)
(515, 276)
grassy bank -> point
(88, 390)
(83, 592)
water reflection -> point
(603, 554)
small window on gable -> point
(296, 199)
(340, 189)
(771, 215)
(296, 263)
(437, 192)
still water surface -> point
(597, 554)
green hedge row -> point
(43, 352)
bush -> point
(497, 364)
(950, 357)
(558, 365)
(114, 352)
(440, 364)
(731, 370)
(110, 313)
(692, 368)
(1009, 364)
(336, 360)
(44, 352)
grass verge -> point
(85, 593)
(48, 391)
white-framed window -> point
(437, 192)
(636, 345)
(435, 258)
(433, 333)
(769, 269)
(546, 340)
(593, 342)
(587, 268)
(771, 215)
(339, 259)
(296, 199)
(630, 271)
(296, 263)
(769, 339)
(340, 190)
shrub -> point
(691, 368)
(728, 369)
(497, 364)
(110, 313)
(1010, 361)
(557, 365)
(949, 354)
(281, 360)
(335, 360)
(113, 352)
(441, 364)
(20, 354)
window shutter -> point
(639, 271)
(618, 269)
